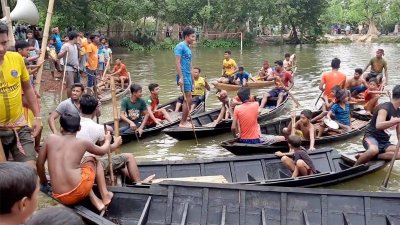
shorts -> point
(372, 75)
(251, 141)
(127, 129)
(83, 189)
(118, 162)
(231, 79)
(357, 89)
(9, 142)
(268, 139)
(52, 65)
(187, 83)
(101, 66)
(196, 99)
(158, 115)
(382, 145)
(71, 78)
(276, 91)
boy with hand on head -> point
(71, 177)
(297, 161)
(19, 192)
(156, 116)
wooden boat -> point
(191, 203)
(106, 96)
(268, 170)
(150, 131)
(252, 85)
(225, 126)
(359, 124)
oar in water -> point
(386, 180)
(190, 117)
(316, 102)
(109, 160)
(291, 95)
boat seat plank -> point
(205, 179)
(145, 212)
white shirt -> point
(90, 131)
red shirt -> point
(247, 115)
(368, 96)
(123, 72)
(285, 76)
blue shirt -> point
(58, 42)
(182, 49)
(342, 115)
(245, 75)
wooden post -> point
(115, 110)
(44, 43)
(11, 39)
(2, 153)
(3, 7)
(110, 161)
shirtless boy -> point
(71, 179)
(356, 85)
(304, 128)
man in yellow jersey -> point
(229, 69)
(15, 135)
(198, 95)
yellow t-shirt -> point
(12, 73)
(199, 87)
(229, 67)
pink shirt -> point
(247, 115)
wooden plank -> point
(233, 171)
(202, 169)
(346, 219)
(170, 203)
(242, 207)
(367, 210)
(223, 216)
(305, 218)
(388, 220)
(264, 168)
(263, 217)
(324, 210)
(219, 179)
(185, 212)
(283, 208)
(145, 212)
(169, 171)
(204, 207)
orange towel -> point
(83, 189)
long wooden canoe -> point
(185, 203)
(225, 126)
(359, 124)
(106, 96)
(150, 131)
(251, 85)
(267, 170)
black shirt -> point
(302, 154)
(381, 135)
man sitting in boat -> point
(372, 95)
(341, 111)
(242, 77)
(376, 140)
(264, 72)
(283, 83)
(356, 85)
(245, 124)
(198, 95)
(297, 161)
(304, 128)
(287, 62)
(71, 178)
(156, 116)
(229, 68)
(122, 78)
(134, 111)
(226, 108)
(378, 64)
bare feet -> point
(186, 125)
(107, 199)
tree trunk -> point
(294, 38)
(157, 26)
(372, 30)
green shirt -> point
(377, 65)
(133, 110)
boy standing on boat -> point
(304, 128)
(134, 111)
(156, 116)
(298, 161)
(376, 140)
(183, 62)
(229, 68)
(378, 64)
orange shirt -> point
(332, 78)
(247, 114)
(123, 72)
(93, 59)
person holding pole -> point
(15, 135)
(183, 62)
(377, 135)
(69, 51)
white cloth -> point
(90, 131)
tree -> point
(368, 11)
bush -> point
(167, 44)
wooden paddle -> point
(115, 110)
(109, 160)
(386, 180)
(63, 80)
(319, 97)
(190, 117)
(290, 94)
(105, 69)
(2, 153)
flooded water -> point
(158, 67)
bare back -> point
(305, 129)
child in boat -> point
(298, 161)
(264, 72)
(229, 68)
(341, 111)
(287, 63)
(156, 116)
(372, 95)
(326, 106)
(242, 77)
(71, 179)
(356, 85)
(304, 128)
(226, 108)
(19, 192)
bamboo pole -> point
(44, 43)
(109, 160)
(386, 180)
(115, 110)
(63, 80)
(2, 153)
(3, 7)
(11, 39)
